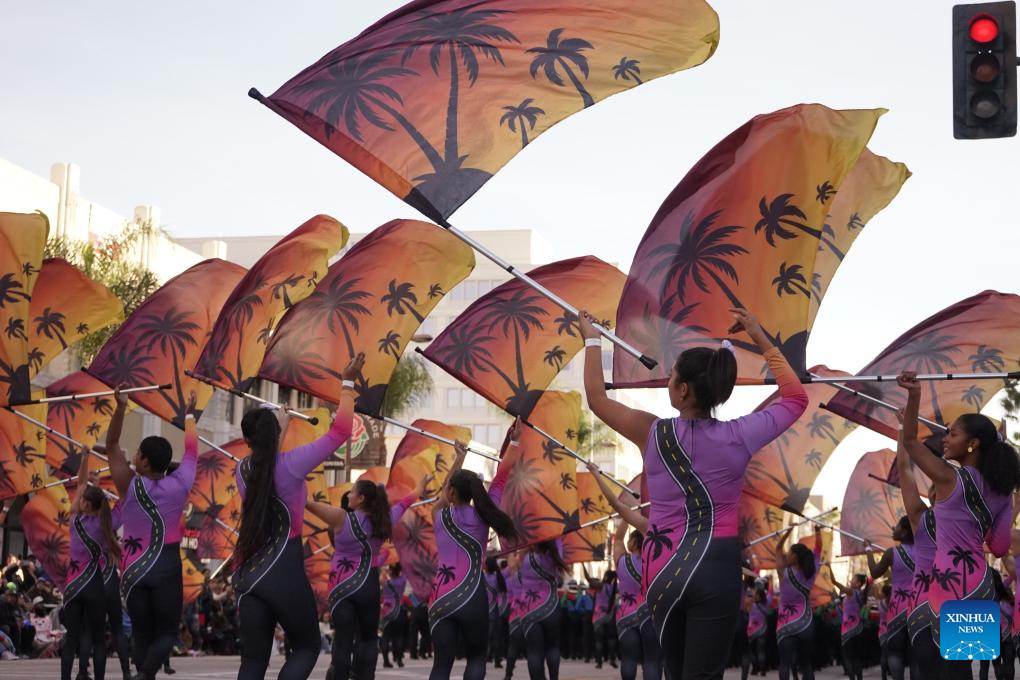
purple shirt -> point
(79, 553)
(392, 594)
(629, 596)
(794, 599)
(924, 558)
(757, 619)
(603, 605)
(536, 587)
(293, 466)
(852, 604)
(961, 536)
(902, 580)
(513, 592)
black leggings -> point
(471, 624)
(282, 596)
(356, 624)
(640, 645)
(853, 649)
(514, 646)
(754, 656)
(800, 647)
(542, 646)
(605, 643)
(898, 653)
(155, 605)
(497, 637)
(703, 624)
(86, 611)
(1003, 665)
(925, 655)
(115, 619)
(394, 637)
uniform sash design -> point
(607, 615)
(391, 615)
(549, 605)
(493, 596)
(858, 627)
(921, 615)
(352, 584)
(258, 565)
(78, 582)
(901, 604)
(802, 622)
(636, 618)
(136, 571)
(462, 593)
(760, 630)
(669, 584)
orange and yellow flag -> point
(413, 443)
(589, 543)
(164, 336)
(22, 240)
(286, 274)
(757, 519)
(361, 306)
(541, 489)
(745, 228)
(871, 506)
(46, 519)
(83, 420)
(434, 99)
(512, 342)
(66, 306)
(22, 452)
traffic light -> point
(984, 70)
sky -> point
(150, 100)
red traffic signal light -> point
(984, 70)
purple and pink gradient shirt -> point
(293, 466)
(79, 553)
(347, 549)
(392, 594)
(793, 602)
(170, 495)
(535, 587)
(629, 597)
(852, 604)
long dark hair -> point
(805, 559)
(549, 548)
(908, 530)
(711, 373)
(376, 506)
(1002, 593)
(998, 462)
(469, 487)
(97, 499)
(261, 430)
(492, 567)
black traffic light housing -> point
(984, 70)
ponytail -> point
(805, 559)
(492, 567)
(998, 462)
(468, 486)
(711, 374)
(261, 431)
(549, 548)
(376, 506)
(96, 498)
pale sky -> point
(150, 99)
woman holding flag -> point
(152, 502)
(694, 469)
(795, 632)
(462, 518)
(900, 560)
(974, 506)
(270, 577)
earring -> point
(970, 449)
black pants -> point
(853, 657)
(898, 653)
(87, 610)
(356, 624)
(497, 637)
(155, 605)
(470, 624)
(514, 647)
(925, 656)
(798, 647)
(542, 647)
(702, 625)
(640, 645)
(605, 642)
(115, 621)
(394, 637)
(420, 641)
(283, 596)
(1003, 665)
(754, 657)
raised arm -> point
(83, 481)
(511, 456)
(912, 502)
(300, 461)
(781, 553)
(632, 516)
(941, 473)
(189, 462)
(843, 590)
(761, 427)
(633, 424)
(620, 539)
(881, 566)
(333, 516)
(458, 463)
(120, 470)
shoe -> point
(386, 664)
(167, 669)
(612, 663)
(400, 663)
(498, 664)
(598, 665)
(82, 675)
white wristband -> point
(593, 342)
(514, 442)
(348, 383)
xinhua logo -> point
(969, 630)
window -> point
(428, 327)
(495, 435)
(484, 287)
(457, 293)
(305, 400)
(427, 400)
(453, 398)
(478, 433)
(470, 290)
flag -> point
(22, 240)
(286, 274)
(541, 489)
(363, 306)
(742, 229)
(420, 101)
(510, 343)
(66, 306)
(821, 591)
(22, 455)
(589, 544)
(872, 184)
(755, 519)
(83, 420)
(783, 472)
(871, 507)
(193, 578)
(413, 443)
(164, 336)
(214, 478)
(415, 543)
(405, 474)
(413, 537)
(46, 520)
(980, 334)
